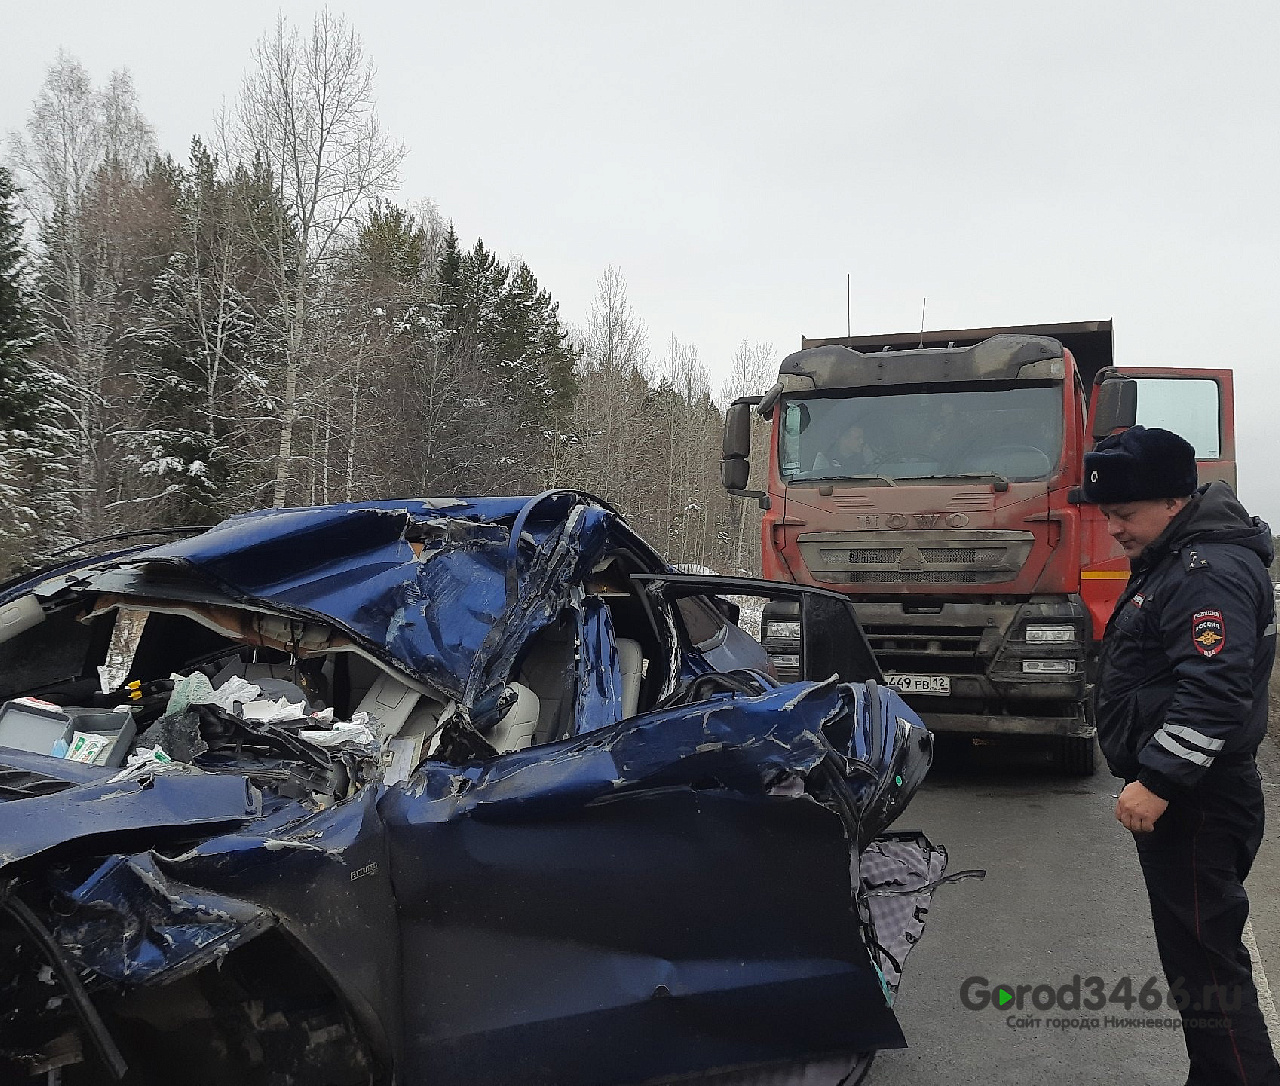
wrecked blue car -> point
(444, 791)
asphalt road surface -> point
(1063, 897)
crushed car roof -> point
(421, 581)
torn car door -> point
(563, 906)
(831, 641)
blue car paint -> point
(599, 697)
(428, 587)
(103, 807)
(441, 613)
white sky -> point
(1013, 162)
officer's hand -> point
(1138, 807)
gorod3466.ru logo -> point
(1094, 994)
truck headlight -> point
(785, 659)
(1051, 633)
(782, 630)
(1049, 667)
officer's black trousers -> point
(1195, 863)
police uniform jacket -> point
(1186, 659)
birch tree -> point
(612, 431)
(81, 150)
(306, 115)
(259, 325)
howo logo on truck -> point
(938, 520)
(931, 520)
(899, 521)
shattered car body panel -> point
(669, 933)
(445, 790)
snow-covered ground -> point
(752, 608)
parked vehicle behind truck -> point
(934, 478)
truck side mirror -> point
(735, 466)
(737, 432)
(1116, 407)
(734, 472)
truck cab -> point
(935, 479)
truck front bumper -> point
(987, 724)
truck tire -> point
(1076, 755)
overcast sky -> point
(1013, 162)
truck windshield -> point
(1010, 433)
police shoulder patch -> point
(1192, 560)
(1208, 632)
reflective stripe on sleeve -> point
(1174, 747)
(1181, 731)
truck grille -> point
(923, 556)
(928, 649)
(888, 556)
(893, 576)
(949, 554)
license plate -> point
(920, 684)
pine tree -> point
(515, 360)
(29, 478)
(19, 394)
(391, 247)
(450, 276)
(379, 340)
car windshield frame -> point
(912, 436)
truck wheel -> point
(1076, 755)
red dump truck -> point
(935, 479)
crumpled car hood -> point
(115, 808)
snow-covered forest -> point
(270, 322)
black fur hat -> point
(1138, 464)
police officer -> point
(1181, 706)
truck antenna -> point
(924, 305)
(848, 306)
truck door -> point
(1198, 405)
